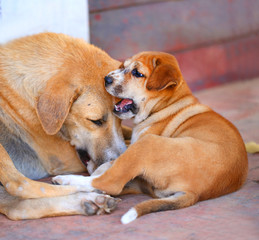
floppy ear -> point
(54, 103)
(163, 76)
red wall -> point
(215, 41)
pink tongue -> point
(125, 102)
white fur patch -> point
(7, 185)
(118, 75)
(129, 216)
(83, 183)
(43, 189)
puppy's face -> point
(142, 82)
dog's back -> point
(26, 64)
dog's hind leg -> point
(18, 185)
(176, 201)
(16, 208)
(138, 186)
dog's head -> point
(75, 105)
(141, 82)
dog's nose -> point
(108, 80)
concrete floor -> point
(234, 216)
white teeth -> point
(117, 108)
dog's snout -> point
(108, 80)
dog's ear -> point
(55, 102)
(163, 76)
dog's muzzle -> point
(84, 156)
(124, 106)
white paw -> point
(83, 183)
(129, 216)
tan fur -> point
(183, 150)
(51, 91)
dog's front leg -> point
(130, 164)
(16, 208)
(84, 183)
(16, 184)
(125, 168)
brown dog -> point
(182, 150)
(54, 111)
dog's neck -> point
(162, 112)
(161, 102)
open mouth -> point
(124, 106)
(84, 156)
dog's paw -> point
(68, 180)
(83, 183)
(99, 204)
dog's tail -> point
(176, 201)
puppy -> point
(181, 150)
(54, 112)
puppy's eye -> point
(136, 73)
(98, 122)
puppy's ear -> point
(163, 76)
(55, 102)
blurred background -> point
(215, 41)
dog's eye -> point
(97, 122)
(136, 73)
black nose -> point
(108, 80)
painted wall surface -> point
(24, 17)
(215, 41)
